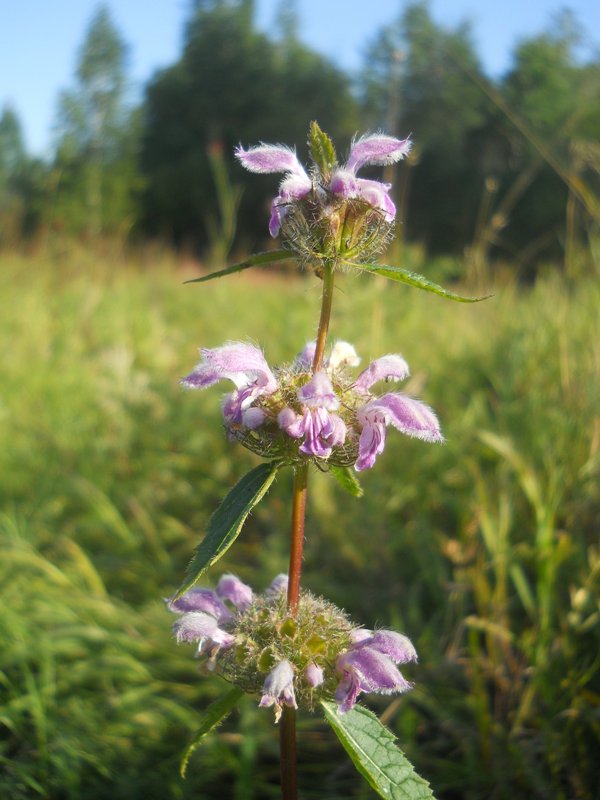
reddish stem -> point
(297, 535)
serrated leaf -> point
(419, 281)
(322, 150)
(254, 261)
(213, 716)
(347, 480)
(225, 524)
(372, 748)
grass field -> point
(484, 551)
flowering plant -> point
(292, 649)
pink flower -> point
(376, 149)
(320, 429)
(246, 367)
(278, 688)
(402, 412)
(277, 158)
(370, 666)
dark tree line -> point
(505, 169)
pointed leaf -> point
(347, 479)
(225, 524)
(414, 279)
(322, 150)
(254, 261)
(213, 716)
(372, 748)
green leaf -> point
(347, 479)
(372, 748)
(254, 261)
(214, 715)
(225, 524)
(414, 279)
(322, 150)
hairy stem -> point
(297, 535)
(287, 730)
(326, 301)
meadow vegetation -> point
(484, 551)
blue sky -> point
(40, 39)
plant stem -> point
(287, 746)
(326, 301)
(297, 535)
(287, 730)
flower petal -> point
(406, 415)
(343, 354)
(233, 589)
(376, 194)
(371, 443)
(314, 675)
(201, 600)
(391, 644)
(319, 393)
(269, 158)
(196, 626)
(377, 148)
(389, 367)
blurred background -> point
(117, 182)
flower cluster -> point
(318, 654)
(330, 213)
(293, 414)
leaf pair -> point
(397, 274)
(370, 745)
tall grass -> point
(484, 550)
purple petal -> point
(344, 183)
(360, 634)
(376, 148)
(322, 432)
(231, 588)
(201, 600)
(374, 671)
(278, 212)
(305, 358)
(370, 443)
(278, 688)
(390, 367)
(391, 644)
(291, 423)
(406, 414)
(278, 585)
(196, 626)
(253, 418)
(313, 675)
(295, 187)
(269, 158)
(376, 194)
(319, 393)
(241, 363)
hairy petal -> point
(344, 183)
(278, 688)
(201, 600)
(376, 194)
(231, 588)
(343, 354)
(406, 414)
(391, 644)
(196, 626)
(371, 441)
(278, 585)
(269, 158)
(377, 148)
(366, 670)
(389, 367)
(314, 675)
(319, 393)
